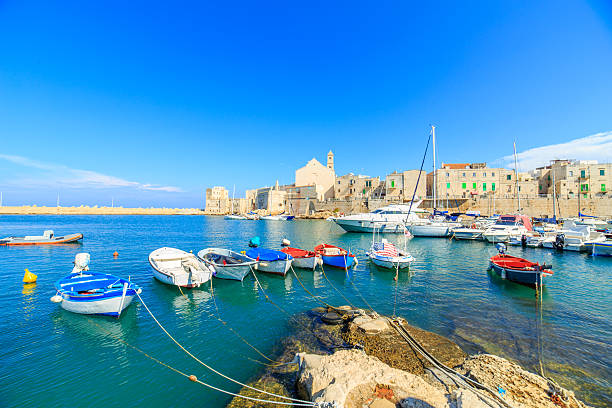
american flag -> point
(385, 249)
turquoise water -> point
(53, 357)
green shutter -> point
(484, 186)
(463, 186)
(473, 186)
(363, 191)
(447, 185)
(603, 187)
(392, 183)
(492, 186)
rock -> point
(382, 403)
(347, 377)
(373, 326)
(468, 399)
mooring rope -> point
(332, 285)
(317, 298)
(356, 289)
(396, 285)
(193, 378)
(209, 367)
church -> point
(317, 175)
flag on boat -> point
(385, 249)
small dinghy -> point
(518, 269)
(175, 267)
(386, 255)
(47, 238)
(335, 256)
(303, 258)
(271, 261)
(93, 293)
(227, 264)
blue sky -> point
(149, 103)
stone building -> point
(571, 177)
(318, 175)
(351, 186)
(271, 199)
(399, 186)
(217, 200)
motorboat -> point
(279, 217)
(574, 237)
(93, 293)
(386, 255)
(388, 219)
(602, 248)
(270, 260)
(235, 217)
(227, 264)
(47, 238)
(508, 226)
(474, 231)
(176, 267)
(335, 256)
(518, 270)
(432, 227)
(303, 258)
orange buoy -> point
(193, 378)
(115, 254)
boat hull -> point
(602, 249)
(308, 262)
(108, 306)
(278, 267)
(233, 272)
(519, 276)
(169, 280)
(66, 239)
(391, 262)
(339, 261)
(468, 234)
(430, 230)
(370, 226)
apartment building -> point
(351, 186)
(400, 186)
(571, 177)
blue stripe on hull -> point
(526, 278)
(338, 261)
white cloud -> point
(58, 174)
(594, 147)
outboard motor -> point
(81, 262)
(524, 240)
(501, 248)
(559, 242)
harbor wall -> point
(95, 210)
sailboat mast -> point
(433, 136)
(554, 196)
(233, 194)
(518, 196)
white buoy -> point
(285, 242)
(57, 299)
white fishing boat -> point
(386, 255)
(227, 264)
(278, 217)
(507, 227)
(176, 267)
(93, 293)
(271, 261)
(388, 219)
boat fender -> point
(356, 262)
(56, 299)
(285, 242)
(139, 291)
(193, 378)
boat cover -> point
(267, 255)
(298, 253)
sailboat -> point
(435, 225)
(231, 215)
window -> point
(571, 173)
(363, 192)
(473, 186)
(584, 187)
(492, 186)
(602, 172)
(338, 181)
(519, 188)
(582, 173)
(463, 186)
(492, 174)
(463, 174)
(447, 174)
(585, 195)
(603, 188)
(473, 174)
(447, 185)
(549, 177)
(509, 177)
(392, 183)
(484, 186)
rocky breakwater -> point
(386, 363)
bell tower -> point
(330, 160)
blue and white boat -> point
(335, 256)
(271, 261)
(602, 248)
(93, 293)
(386, 255)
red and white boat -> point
(518, 269)
(303, 258)
(335, 256)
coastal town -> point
(564, 187)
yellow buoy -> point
(193, 378)
(29, 277)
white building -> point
(318, 175)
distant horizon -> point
(103, 101)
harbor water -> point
(51, 357)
